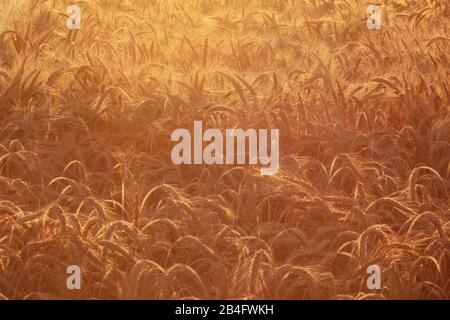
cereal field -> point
(87, 179)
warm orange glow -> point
(86, 176)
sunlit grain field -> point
(86, 176)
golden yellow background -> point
(86, 176)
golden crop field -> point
(86, 176)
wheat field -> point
(86, 176)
